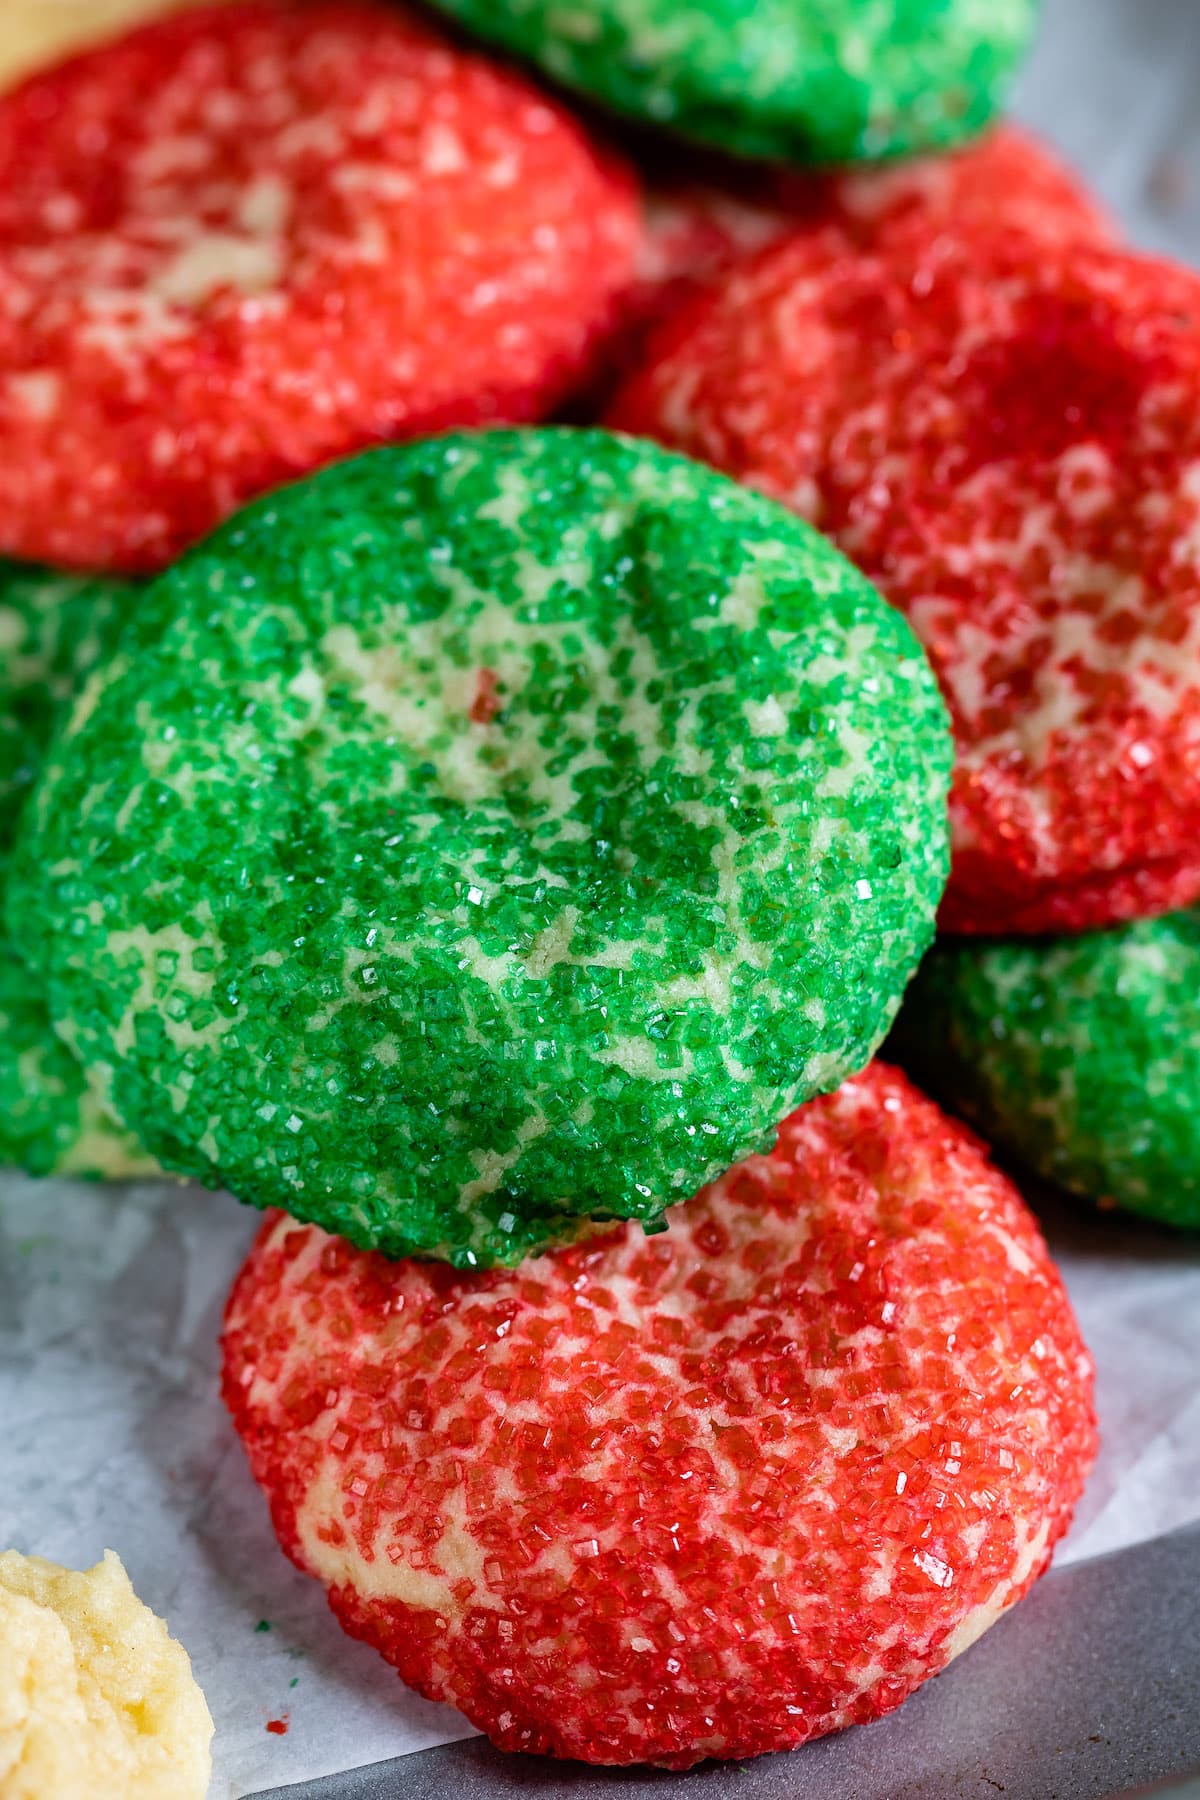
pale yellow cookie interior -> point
(97, 1700)
(35, 33)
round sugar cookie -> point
(242, 241)
(711, 1493)
(808, 81)
(97, 1700)
(490, 835)
(1005, 435)
(53, 629)
(1078, 1057)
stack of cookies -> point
(538, 587)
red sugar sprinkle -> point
(1004, 433)
(710, 1493)
(307, 229)
(279, 1727)
(487, 702)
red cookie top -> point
(245, 240)
(709, 1493)
(1007, 179)
(696, 229)
(1005, 434)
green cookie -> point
(1079, 1056)
(805, 81)
(53, 629)
(487, 836)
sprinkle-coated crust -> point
(53, 629)
(1080, 1058)
(710, 1493)
(1005, 435)
(487, 835)
(697, 229)
(805, 81)
(245, 240)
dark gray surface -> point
(1091, 1689)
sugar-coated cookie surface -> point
(698, 227)
(810, 81)
(1009, 178)
(97, 1700)
(242, 241)
(53, 630)
(1079, 1057)
(1005, 435)
(489, 835)
(710, 1493)
(51, 1122)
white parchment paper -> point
(111, 1432)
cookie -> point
(1008, 180)
(53, 630)
(490, 835)
(1005, 435)
(697, 229)
(706, 1494)
(806, 81)
(1080, 1058)
(96, 1699)
(307, 229)
(51, 1122)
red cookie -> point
(242, 241)
(695, 230)
(1005, 180)
(1004, 433)
(710, 1493)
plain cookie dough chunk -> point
(488, 836)
(97, 1700)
